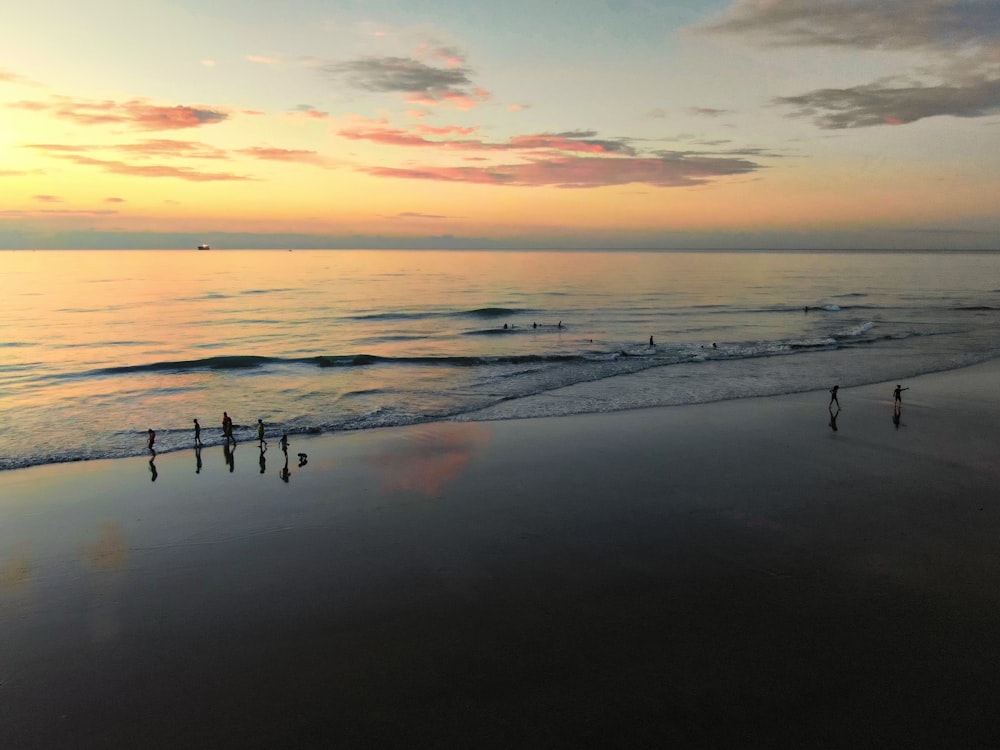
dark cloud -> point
(961, 79)
(707, 111)
(864, 24)
(400, 74)
(874, 104)
(585, 172)
(424, 84)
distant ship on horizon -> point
(205, 246)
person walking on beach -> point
(897, 395)
(833, 396)
(260, 435)
(152, 439)
(227, 426)
(284, 443)
(197, 434)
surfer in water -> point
(651, 344)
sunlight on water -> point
(97, 346)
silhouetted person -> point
(303, 460)
(263, 461)
(714, 345)
(152, 439)
(833, 417)
(152, 469)
(505, 326)
(197, 459)
(560, 324)
(651, 344)
(534, 325)
(260, 435)
(227, 426)
(197, 433)
(897, 395)
(833, 396)
(284, 444)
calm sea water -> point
(98, 346)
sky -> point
(676, 124)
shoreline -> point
(582, 390)
(723, 574)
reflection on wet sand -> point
(427, 459)
(111, 550)
(15, 570)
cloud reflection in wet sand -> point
(425, 460)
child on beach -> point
(897, 395)
(833, 396)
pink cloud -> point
(47, 198)
(457, 99)
(114, 200)
(445, 130)
(154, 170)
(283, 154)
(135, 113)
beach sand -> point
(723, 575)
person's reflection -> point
(833, 417)
(152, 469)
(285, 473)
(229, 452)
(897, 412)
(263, 461)
(197, 459)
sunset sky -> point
(439, 123)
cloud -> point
(135, 113)
(47, 198)
(147, 148)
(583, 141)
(415, 215)
(168, 147)
(424, 84)
(962, 79)
(114, 199)
(283, 154)
(55, 212)
(307, 110)
(707, 112)
(584, 172)
(864, 24)
(153, 170)
(7, 76)
(874, 104)
(264, 60)
(208, 63)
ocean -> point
(97, 347)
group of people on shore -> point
(897, 405)
(229, 446)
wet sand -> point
(723, 575)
